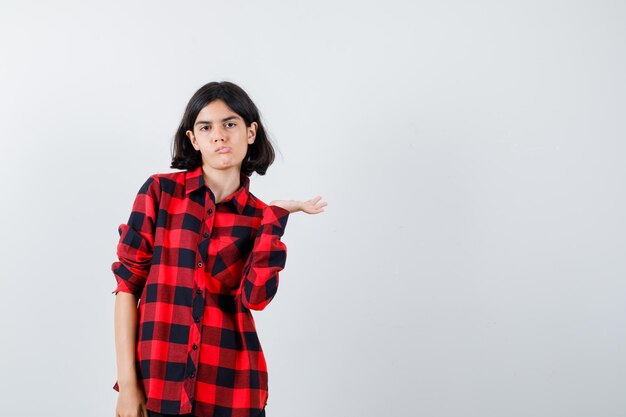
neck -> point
(222, 182)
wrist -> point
(128, 380)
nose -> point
(218, 134)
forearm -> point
(267, 259)
(126, 338)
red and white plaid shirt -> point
(198, 268)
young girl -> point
(199, 252)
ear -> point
(252, 132)
(193, 140)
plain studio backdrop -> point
(470, 261)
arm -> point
(136, 242)
(266, 260)
(126, 339)
(132, 400)
(134, 251)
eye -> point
(231, 123)
(203, 128)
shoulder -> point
(263, 210)
(168, 181)
(178, 176)
(158, 183)
(257, 207)
(256, 202)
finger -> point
(314, 210)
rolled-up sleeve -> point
(267, 259)
(136, 241)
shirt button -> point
(198, 291)
(197, 319)
(199, 264)
(195, 347)
(192, 375)
(210, 211)
(206, 234)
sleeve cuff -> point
(279, 211)
(274, 219)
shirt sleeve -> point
(266, 260)
(136, 242)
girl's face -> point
(221, 136)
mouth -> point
(222, 149)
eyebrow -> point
(205, 122)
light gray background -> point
(470, 261)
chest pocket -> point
(228, 255)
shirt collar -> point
(194, 179)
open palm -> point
(312, 206)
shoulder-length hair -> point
(260, 154)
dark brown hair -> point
(260, 154)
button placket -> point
(197, 309)
(205, 231)
(199, 301)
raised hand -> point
(312, 206)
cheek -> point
(241, 149)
